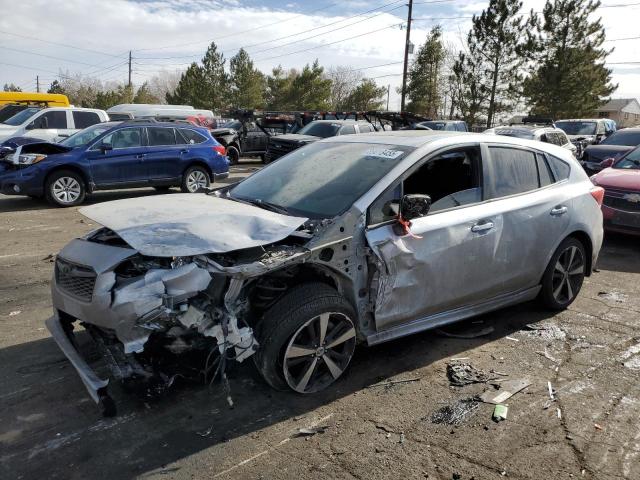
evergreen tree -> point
(215, 87)
(278, 94)
(310, 89)
(247, 82)
(366, 96)
(144, 95)
(424, 78)
(10, 87)
(469, 93)
(495, 43)
(190, 88)
(570, 79)
(55, 87)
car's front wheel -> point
(233, 154)
(562, 280)
(307, 339)
(65, 188)
(195, 178)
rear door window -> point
(187, 136)
(559, 168)
(85, 119)
(365, 128)
(514, 171)
(347, 130)
(123, 138)
(55, 119)
(161, 136)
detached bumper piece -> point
(96, 386)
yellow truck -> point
(31, 98)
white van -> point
(159, 112)
(50, 124)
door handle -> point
(482, 227)
(184, 151)
(559, 210)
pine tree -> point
(144, 95)
(310, 89)
(495, 41)
(215, 87)
(469, 93)
(571, 79)
(10, 87)
(425, 75)
(55, 87)
(366, 96)
(247, 82)
(190, 88)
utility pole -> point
(406, 57)
(38, 83)
(129, 68)
(388, 89)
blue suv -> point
(113, 155)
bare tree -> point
(344, 80)
(164, 82)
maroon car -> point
(621, 182)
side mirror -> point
(412, 206)
(105, 147)
(607, 162)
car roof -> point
(582, 120)
(410, 138)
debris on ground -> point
(613, 296)
(206, 433)
(500, 413)
(463, 373)
(544, 331)
(548, 356)
(597, 426)
(551, 391)
(512, 339)
(14, 313)
(309, 432)
(507, 390)
(49, 258)
(394, 382)
(455, 413)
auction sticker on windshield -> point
(383, 153)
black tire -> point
(560, 286)
(162, 189)
(284, 319)
(190, 174)
(55, 188)
(233, 154)
(263, 158)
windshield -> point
(320, 129)
(85, 136)
(321, 180)
(578, 128)
(21, 117)
(622, 137)
(434, 125)
(9, 111)
(630, 162)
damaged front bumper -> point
(95, 385)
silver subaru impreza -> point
(353, 239)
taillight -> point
(220, 149)
(598, 194)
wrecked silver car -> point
(362, 238)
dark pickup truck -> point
(282, 144)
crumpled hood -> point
(619, 178)
(178, 225)
(222, 131)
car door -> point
(163, 154)
(48, 125)
(117, 159)
(534, 208)
(451, 258)
(255, 139)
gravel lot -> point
(49, 428)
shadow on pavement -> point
(622, 253)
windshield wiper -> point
(261, 203)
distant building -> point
(624, 111)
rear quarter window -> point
(560, 168)
(85, 119)
(189, 137)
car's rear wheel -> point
(65, 188)
(562, 280)
(306, 339)
(233, 154)
(195, 178)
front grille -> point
(76, 280)
(278, 149)
(622, 200)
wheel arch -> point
(72, 168)
(198, 162)
(584, 238)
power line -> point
(48, 56)
(59, 44)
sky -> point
(91, 37)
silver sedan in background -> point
(353, 239)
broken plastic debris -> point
(550, 391)
(461, 374)
(308, 432)
(206, 432)
(455, 413)
(15, 312)
(507, 390)
(597, 426)
(500, 413)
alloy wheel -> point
(66, 190)
(196, 180)
(568, 273)
(318, 352)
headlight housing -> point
(25, 158)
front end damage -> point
(157, 318)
